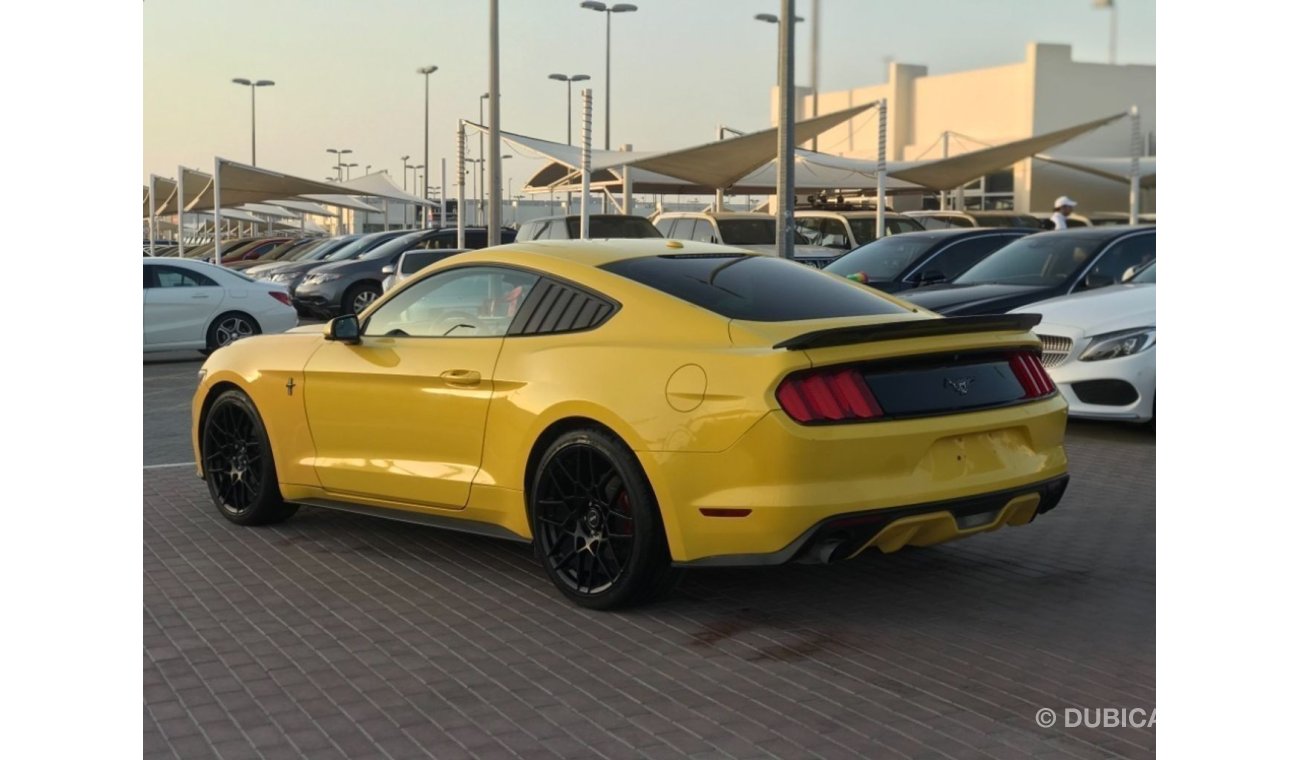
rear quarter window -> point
(755, 288)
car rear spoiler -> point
(912, 328)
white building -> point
(1047, 91)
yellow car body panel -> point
(690, 392)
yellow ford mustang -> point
(636, 407)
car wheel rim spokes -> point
(232, 329)
(363, 299)
(585, 522)
(232, 458)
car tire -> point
(596, 523)
(238, 465)
(228, 328)
(358, 297)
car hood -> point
(1104, 310)
(989, 298)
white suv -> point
(846, 230)
(751, 231)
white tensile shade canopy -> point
(380, 185)
(1109, 168)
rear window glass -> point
(757, 288)
(883, 259)
(414, 261)
(615, 226)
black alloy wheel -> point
(237, 463)
(597, 524)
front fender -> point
(269, 370)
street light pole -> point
(338, 166)
(608, 11)
(570, 80)
(252, 91)
(1114, 24)
(478, 178)
(785, 134)
(426, 71)
(494, 136)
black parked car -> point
(1042, 266)
(903, 262)
(289, 275)
(348, 287)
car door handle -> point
(461, 377)
(198, 296)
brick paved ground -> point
(340, 636)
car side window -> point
(1119, 259)
(175, 277)
(834, 234)
(808, 228)
(683, 227)
(664, 226)
(466, 302)
(704, 231)
(149, 281)
(556, 229)
(964, 254)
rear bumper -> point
(789, 479)
(848, 535)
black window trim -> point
(920, 266)
(155, 267)
(1083, 273)
(524, 310)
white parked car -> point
(1099, 346)
(195, 305)
(751, 231)
(412, 261)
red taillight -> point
(827, 396)
(1033, 378)
(281, 296)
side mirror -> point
(345, 329)
(1097, 280)
(389, 269)
(931, 276)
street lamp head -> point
(559, 77)
(263, 83)
(426, 70)
(622, 8)
(405, 157)
(771, 19)
(241, 81)
(593, 5)
(484, 96)
(579, 78)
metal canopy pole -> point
(442, 203)
(584, 219)
(785, 135)
(216, 210)
(816, 40)
(1135, 150)
(494, 133)
(880, 168)
(460, 184)
(153, 205)
(717, 194)
(627, 185)
(180, 211)
(943, 194)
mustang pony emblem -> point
(959, 385)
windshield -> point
(882, 259)
(865, 229)
(1007, 220)
(1043, 259)
(350, 250)
(396, 245)
(748, 231)
(615, 227)
(1147, 276)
